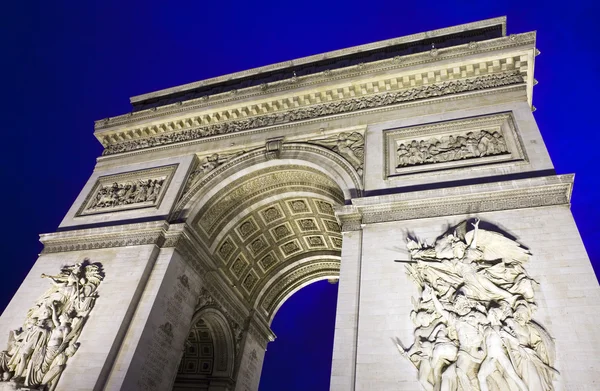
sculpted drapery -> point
(38, 351)
(473, 319)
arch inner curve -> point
(272, 231)
(208, 354)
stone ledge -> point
(516, 194)
(159, 233)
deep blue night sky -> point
(66, 65)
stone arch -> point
(265, 218)
(268, 226)
(282, 284)
(208, 358)
(330, 164)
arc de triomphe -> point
(411, 169)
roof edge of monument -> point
(321, 56)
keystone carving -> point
(273, 148)
(473, 319)
(38, 351)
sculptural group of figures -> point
(209, 163)
(349, 145)
(449, 148)
(127, 193)
(37, 352)
(473, 321)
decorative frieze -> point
(452, 144)
(450, 87)
(451, 148)
(131, 190)
(105, 237)
(157, 233)
(103, 241)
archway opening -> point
(207, 359)
(270, 230)
(300, 357)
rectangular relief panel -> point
(129, 190)
(452, 145)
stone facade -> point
(206, 214)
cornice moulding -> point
(349, 217)
(332, 54)
(516, 42)
(489, 197)
(319, 110)
(148, 152)
(159, 233)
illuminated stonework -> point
(215, 201)
(274, 235)
(131, 190)
(473, 320)
(39, 350)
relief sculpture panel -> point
(349, 145)
(38, 351)
(452, 144)
(205, 165)
(131, 190)
(450, 148)
(473, 319)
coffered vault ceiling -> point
(275, 234)
(198, 357)
(272, 231)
